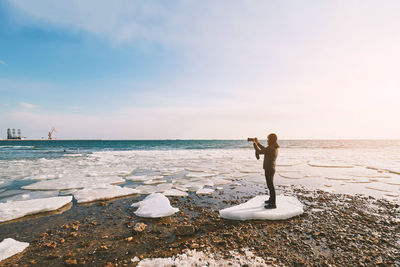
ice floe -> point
(204, 191)
(155, 181)
(10, 247)
(108, 192)
(253, 209)
(15, 209)
(155, 205)
(138, 178)
(175, 193)
(73, 183)
(329, 165)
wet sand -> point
(335, 229)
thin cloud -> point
(2, 62)
(28, 105)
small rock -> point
(194, 246)
(50, 245)
(129, 239)
(185, 230)
(71, 262)
(52, 256)
(139, 227)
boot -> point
(270, 206)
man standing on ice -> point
(270, 154)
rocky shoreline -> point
(337, 230)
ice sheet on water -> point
(10, 247)
(164, 187)
(138, 178)
(253, 209)
(292, 175)
(171, 171)
(104, 193)
(221, 181)
(73, 183)
(16, 209)
(149, 189)
(329, 164)
(199, 174)
(204, 191)
(155, 181)
(175, 193)
(26, 195)
(155, 205)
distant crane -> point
(50, 134)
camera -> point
(251, 140)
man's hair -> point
(273, 140)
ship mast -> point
(50, 134)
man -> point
(270, 154)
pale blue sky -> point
(200, 69)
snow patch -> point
(155, 205)
(198, 258)
(253, 209)
(10, 247)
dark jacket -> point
(270, 154)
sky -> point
(225, 69)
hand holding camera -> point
(254, 140)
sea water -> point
(48, 168)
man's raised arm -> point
(258, 147)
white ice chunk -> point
(16, 209)
(197, 185)
(199, 175)
(147, 189)
(73, 183)
(221, 181)
(154, 206)
(171, 171)
(204, 191)
(10, 247)
(329, 165)
(155, 181)
(163, 187)
(253, 209)
(138, 178)
(112, 191)
(180, 187)
(175, 193)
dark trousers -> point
(269, 177)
